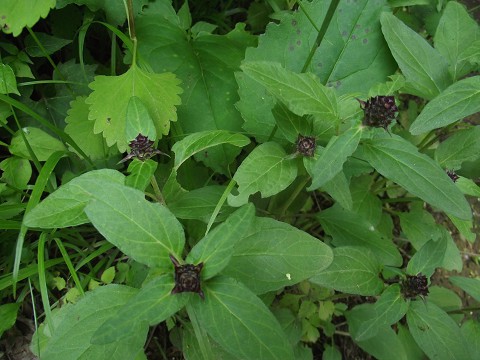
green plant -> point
(297, 206)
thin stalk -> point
(400, 200)
(34, 316)
(220, 204)
(464, 310)
(70, 267)
(294, 195)
(43, 281)
(158, 194)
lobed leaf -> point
(273, 254)
(455, 103)
(233, 316)
(399, 160)
(17, 14)
(111, 94)
(425, 69)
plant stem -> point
(464, 310)
(156, 189)
(294, 195)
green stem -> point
(156, 189)
(398, 200)
(293, 196)
(464, 310)
(200, 334)
(43, 281)
(321, 33)
(220, 204)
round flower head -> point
(379, 111)
(306, 145)
(415, 285)
(187, 278)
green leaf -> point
(16, 14)
(471, 54)
(16, 172)
(139, 120)
(216, 249)
(206, 65)
(461, 146)
(51, 44)
(399, 160)
(468, 186)
(43, 144)
(435, 332)
(470, 331)
(323, 167)
(108, 275)
(148, 232)
(111, 94)
(140, 173)
(384, 344)
(152, 304)
(419, 226)
(348, 228)
(64, 207)
(424, 68)
(289, 124)
(200, 141)
(234, 317)
(469, 285)
(331, 353)
(389, 309)
(354, 270)
(455, 103)
(8, 82)
(8, 316)
(273, 254)
(199, 204)
(80, 130)
(338, 189)
(456, 31)
(353, 29)
(192, 351)
(266, 169)
(465, 227)
(303, 94)
(78, 323)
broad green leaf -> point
(472, 54)
(428, 257)
(399, 160)
(338, 189)
(152, 304)
(139, 121)
(465, 227)
(389, 309)
(461, 146)
(419, 226)
(65, 206)
(331, 353)
(291, 125)
(206, 65)
(469, 285)
(435, 332)
(452, 260)
(425, 69)
(396, 83)
(140, 173)
(468, 186)
(456, 31)
(444, 298)
(353, 29)
(192, 351)
(365, 203)
(8, 316)
(50, 44)
(78, 323)
(470, 331)
(384, 343)
(411, 348)
(111, 94)
(16, 172)
(216, 249)
(200, 141)
(8, 82)
(324, 166)
(42, 144)
(455, 103)
(148, 232)
(273, 254)
(303, 94)
(266, 169)
(354, 270)
(199, 204)
(80, 130)
(351, 229)
(16, 14)
(233, 316)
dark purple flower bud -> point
(142, 149)
(306, 145)
(379, 111)
(414, 285)
(187, 278)
(453, 175)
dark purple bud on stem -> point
(187, 278)
(306, 145)
(414, 285)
